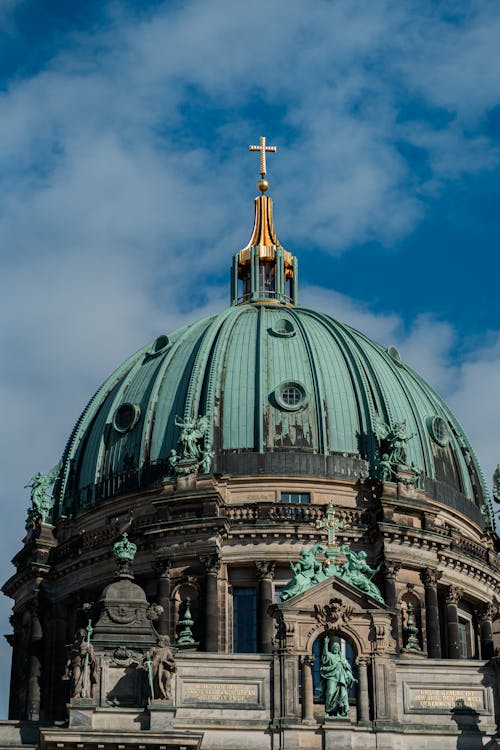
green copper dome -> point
(285, 390)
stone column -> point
(453, 596)
(430, 578)
(390, 570)
(363, 697)
(212, 565)
(265, 573)
(485, 618)
(307, 689)
(162, 569)
(34, 666)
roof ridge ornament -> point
(263, 184)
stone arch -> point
(320, 629)
(410, 621)
(186, 587)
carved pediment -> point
(321, 593)
(334, 606)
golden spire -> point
(263, 184)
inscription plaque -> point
(201, 692)
(420, 699)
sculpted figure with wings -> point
(41, 500)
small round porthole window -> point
(126, 417)
(160, 345)
(284, 328)
(440, 432)
(290, 396)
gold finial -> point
(263, 184)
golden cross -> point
(330, 525)
(263, 148)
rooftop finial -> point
(263, 184)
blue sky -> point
(126, 186)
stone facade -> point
(204, 538)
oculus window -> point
(290, 396)
(126, 416)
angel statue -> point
(41, 500)
(192, 433)
(393, 446)
(307, 572)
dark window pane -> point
(245, 620)
(296, 498)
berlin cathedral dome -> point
(266, 530)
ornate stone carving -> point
(125, 657)
(122, 615)
(391, 568)
(154, 611)
(265, 569)
(160, 666)
(453, 594)
(211, 563)
(162, 568)
(333, 612)
(486, 611)
(430, 577)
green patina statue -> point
(336, 679)
(308, 571)
(124, 549)
(496, 484)
(195, 454)
(41, 500)
(393, 444)
(358, 573)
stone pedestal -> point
(81, 712)
(161, 715)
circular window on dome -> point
(439, 430)
(290, 396)
(283, 328)
(126, 417)
(161, 344)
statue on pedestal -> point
(195, 453)
(161, 669)
(81, 666)
(336, 679)
(41, 501)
